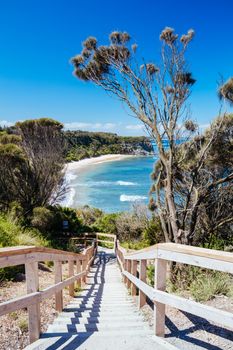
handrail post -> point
(125, 268)
(134, 273)
(84, 265)
(128, 268)
(71, 273)
(142, 276)
(160, 284)
(78, 270)
(58, 278)
(32, 281)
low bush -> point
(207, 285)
(106, 223)
(12, 234)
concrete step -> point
(74, 329)
(100, 319)
(103, 305)
(117, 314)
(110, 313)
(98, 341)
(101, 326)
(98, 308)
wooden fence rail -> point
(30, 256)
(94, 236)
(161, 254)
(133, 265)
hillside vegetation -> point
(84, 144)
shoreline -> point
(85, 163)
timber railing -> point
(98, 237)
(134, 264)
(30, 257)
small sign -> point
(65, 225)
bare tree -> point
(157, 95)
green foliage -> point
(89, 215)
(42, 218)
(30, 124)
(153, 232)
(50, 222)
(84, 144)
(31, 164)
(201, 284)
(135, 245)
(207, 286)
(150, 271)
(23, 324)
(106, 223)
(12, 234)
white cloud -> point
(204, 126)
(134, 127)
(5, 123)
(90, 126)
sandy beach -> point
(85, 163)
(100, 183)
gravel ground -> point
(189, 332)
(13, 326)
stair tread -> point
(102, 317)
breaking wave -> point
(126, 198)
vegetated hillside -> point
(84, 144)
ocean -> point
(112, 186)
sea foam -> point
(105, 183)
(126, 183)
(69, 198)
(126, 198)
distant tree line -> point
(84, 144)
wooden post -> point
(84, 264)
(129, 270)
(71, 273)
(78, 270)
(96, 236)
(134, 272)
(32, 281)
(142, 276)
(58, 278)
(160, 284)
(125, 268)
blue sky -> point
(37, 39)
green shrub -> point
(8, 233)
(150, 271)
(89, 215)
(201, 284)
(210, 284)
(23, 324)
(135, 245)
(152, 234)
(42, 218)
(106, 223)
(12, 234)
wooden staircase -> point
(103, 316)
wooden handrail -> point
(96, 238)
(161, 254)
(30, 256)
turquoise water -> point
(111, 186)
